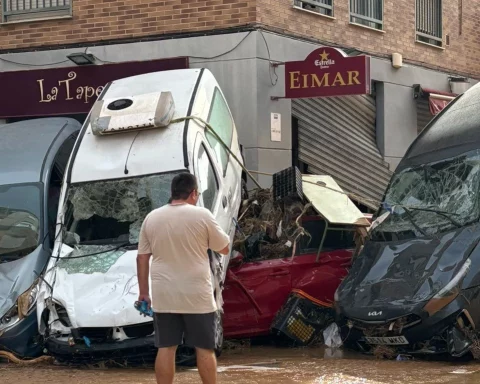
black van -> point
(416, 285)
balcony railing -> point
(367, 12)
(323, 7)
(429, 21)
(15, 10)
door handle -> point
(281, 272)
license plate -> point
(395, 340)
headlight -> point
(449, 292)
(25, 303)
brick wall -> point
(96, 20)
(462, 56)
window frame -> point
(419, 35)
(298, 4)
(216, 92)
(212, 164)
(358, 18)
(35, 14)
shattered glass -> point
(432, 198)
(112, 211)
(96, 263)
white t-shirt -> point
(178, 237)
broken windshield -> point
(20, 207)
(112, 211)
(431, 198)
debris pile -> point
(384, 352)
(269, 229)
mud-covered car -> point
(415, 288)
(138, 136)
(33, 157)
(259, 284)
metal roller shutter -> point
(423, 114)
(336, 136)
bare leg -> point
(207, 365)
(165, 365)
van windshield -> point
(112, 211)
(20, 208)
(431, 198)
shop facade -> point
(357, 138)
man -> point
(178, 237)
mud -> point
(264, 366)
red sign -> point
(71, 90)
(327, 72)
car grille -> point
(389, 327)
(98, 335)
(139, 330)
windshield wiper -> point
(438, 212)
(412, 220)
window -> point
(429, 22)
(322, 7)
(221, 121)
(337, 237)
(367, 12)
(207, 179)
(15, 10)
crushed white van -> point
(135, 140)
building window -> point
(19, 10)
(429, 22)
(323, 7)
(207, 179)
(367, 12)
(221, 121)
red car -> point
(256, 290)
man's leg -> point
(168, 335)
(200, 333)
(207, 365)
(165, 365)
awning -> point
(331, 202)
(437, 100)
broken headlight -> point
(449, 292)
(24, 304)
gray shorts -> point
(197, 329)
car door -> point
(220, 119)
(254, 292)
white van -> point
(118, 172)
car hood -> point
(397, 277)
(96, 291)
(18, 276)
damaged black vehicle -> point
(415, 287)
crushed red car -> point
(258, 286)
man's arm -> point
(143, 271)
(143, 265)
(218, 240)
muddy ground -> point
(265, 365)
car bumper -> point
(141, 348)
(23, 338)
(430, 328)
(138, 350)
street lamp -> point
(82, 58)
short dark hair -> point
(183, 185)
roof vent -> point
(126, 114)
